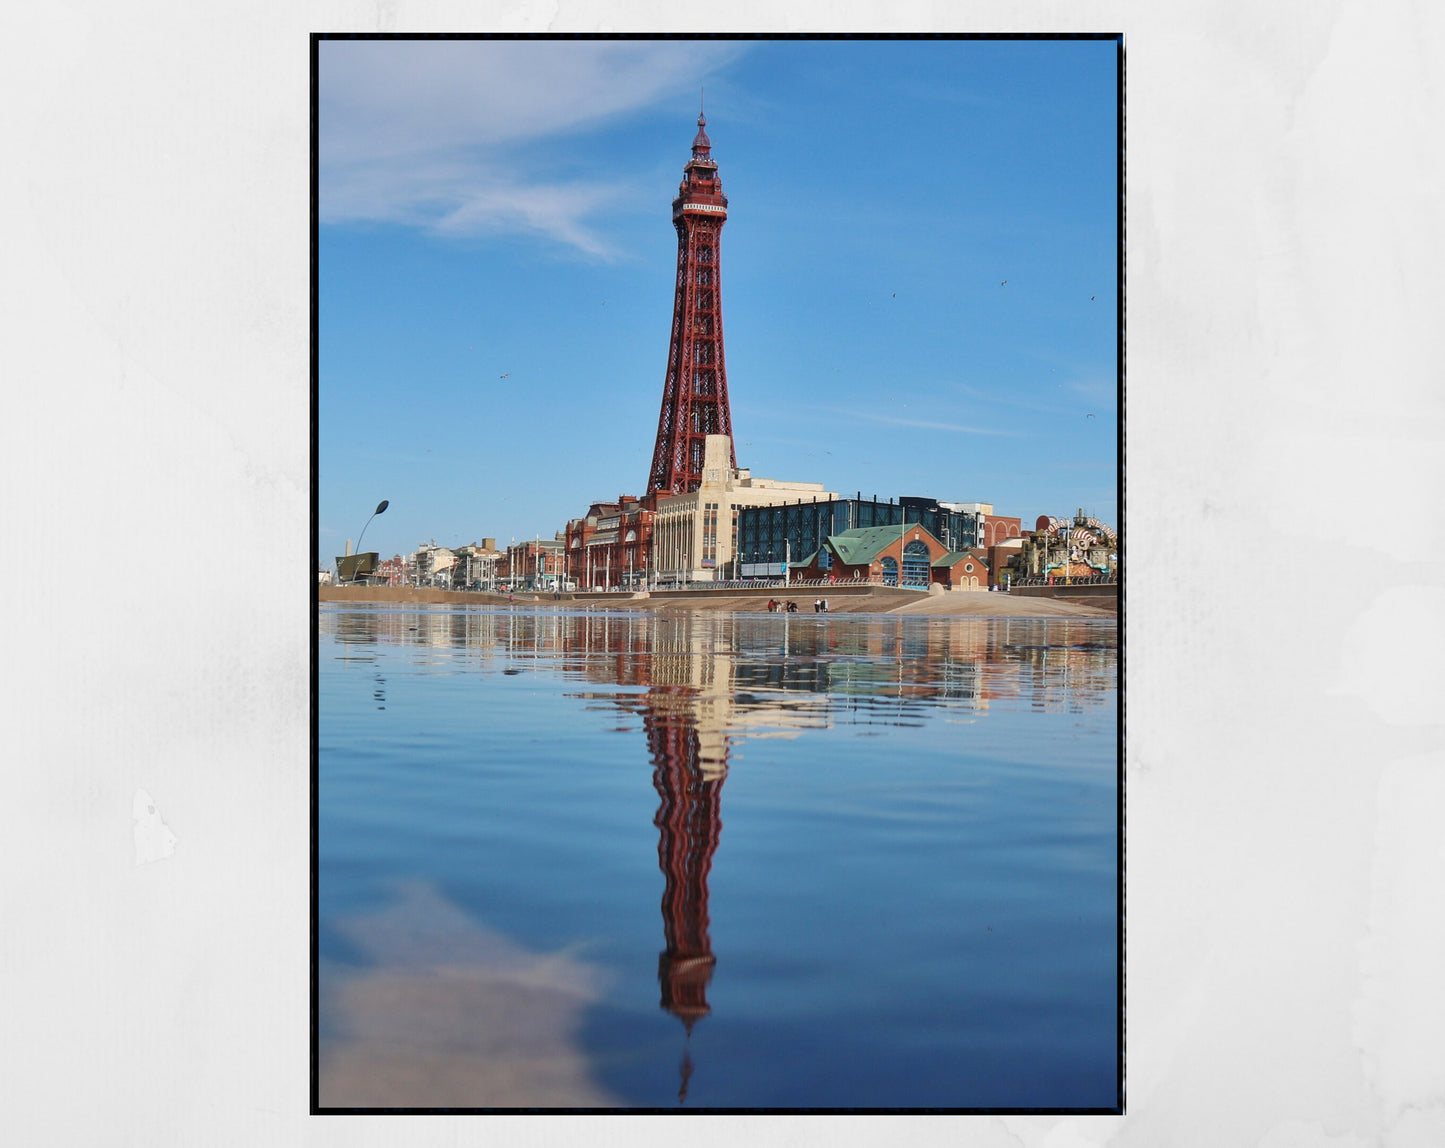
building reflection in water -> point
(747, 673)
(702, 683)
(689, 823)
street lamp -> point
(380, 509)
(902, 540)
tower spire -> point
(695, 392)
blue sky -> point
(497, 254)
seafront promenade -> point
(841, 600)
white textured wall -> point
(1286, 771)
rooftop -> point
(863, 544)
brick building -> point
(875, 553)
(795, 530)
(610, 544)
(992, 528)
(533, 564)
(962, 570)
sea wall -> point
(1083, 592)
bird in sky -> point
(1005, 281)
(1092, 298)
(508, 375)
(1089, 416)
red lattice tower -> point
(695, 395)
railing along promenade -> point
(758, 584)
(1057, 580)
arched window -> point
(915, 563)
(890, 572)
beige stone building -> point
(694, 536)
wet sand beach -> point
(875, 600)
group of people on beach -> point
(820, 606)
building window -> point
(915, 563)
(709, 535)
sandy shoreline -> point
(878, 600)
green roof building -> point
(794, 532)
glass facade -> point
(766, 534)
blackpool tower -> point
(695, 395)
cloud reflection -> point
(449, 1014)
(456, 1016)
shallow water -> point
(596, 859)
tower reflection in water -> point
(699, 684)
(688, 820)
(685, 714)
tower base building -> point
(695, 535)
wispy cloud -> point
(1100, 397)
(434, 134)
(474, 198)
(1103, 393)
(926, 424)
(979, 394)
